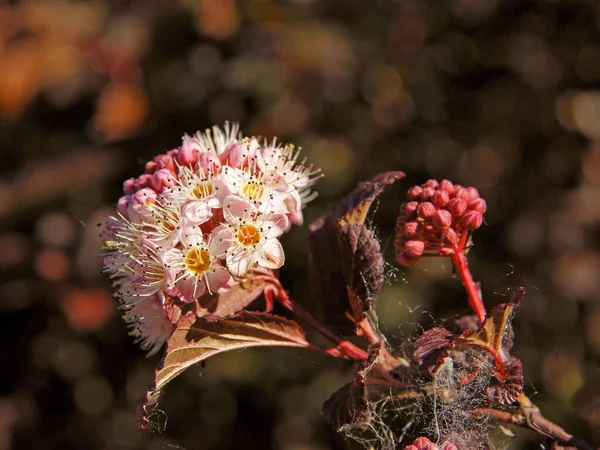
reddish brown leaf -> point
(508, 390)
(346, 407)
(432, 347)
(196, 339)
(233, 300)
(326, 273)
(362, 267)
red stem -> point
(459, 260)
(344, 348)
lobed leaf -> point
(195, 339)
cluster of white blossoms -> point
(201, 217)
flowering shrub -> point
(195, 241)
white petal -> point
(275, 225)
(294, 206)
(191, 288)
(239, 262)
(193, 238)
(218, 278)
(235, 208)
(196, 212)
(270, 255)
(221, 239)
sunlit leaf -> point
(195, 339)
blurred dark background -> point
(501, 95)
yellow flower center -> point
(248, 235)
(253, 191)
(197, 261)
(203, 189)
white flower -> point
(266, 193)
(248, 238)
(166, 224)
(197, 194)
(148, 323)
(194, 270)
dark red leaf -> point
(508, 390)
(326, 269)
(195, 339)
(432, 347)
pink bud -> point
(442, 219)
(427, 193)
(447, 185)
(410, 447)
(123, 204)
(414, 193)
(426, 210)
(456, 206)
(143, 181)
(449, 446)
(450, 237)
(409, 208)
(129, 186)
(235, 155)
(165, 162)
(422, 443)
(440, 198)
(151, 167)
(209, 162)
(139, 208)
(478, 205)
(473, 193)
(187, 155)
(431, 184)
(163, 179)
(472, 220)
(411, 230)
(462, 193)
(414, 248)
(406, 260)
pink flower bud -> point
(472, 220)
(412, 230)
(427, 193)
(414, 193)
(431, 184)
(456, 206)
(447, 185)
(440, 198)
(129, 186)
(442, 219)
(462, 193)
(409, 208)
(473, 193)
(478, 205)
(449, 236)
(165, 162)
(422, 443)
(208, 162)
(123, 205)
(414, 248)
(236, 155)
(143, 181)
(406, 260)
(139, 209)
(187, 155)
(151, 167)
(449, 446)
(163, 179)
(426, 210)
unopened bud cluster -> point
(436, 217)
(422, 443)
(201, 217)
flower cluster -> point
(436, 220)
(201, 217)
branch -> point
(529, 416)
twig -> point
(459, 260)
(529, 416)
